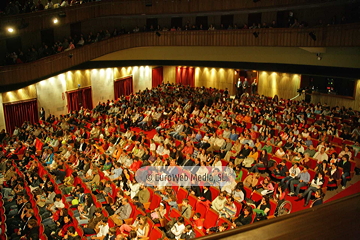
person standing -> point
(254, 86)
(238, 86)
(42, 114)
(245, 85)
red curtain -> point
(185, 76)
(157, 76)
(79, 98)
(17, 113)
(123, 87)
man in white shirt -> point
(293, 172)
(103, 227)
(321, 156)
(218, 203)
(218, 143)
(58, 203)
(299, 148)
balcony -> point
(43, 19)
(333, 36)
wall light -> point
(55, 21)
(10, 30)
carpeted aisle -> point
(352, 189)
(150, 134)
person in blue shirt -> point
(50, 158)
(302, 179)
(116, 173)
(234, 136)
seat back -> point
(202, 208)
(198, 233)
(192, 201)
(211, 218)
(155, 234)
(222, 220)
(214, 192)
(155, 201)
(174, 213)
(181, 194)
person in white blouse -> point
(152, 145)
(203, 170)
(166, 151)
(134, 188)
(345, 151)
(280, 152)
(177, 229)
(160, 148)
(217, 163)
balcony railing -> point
(333, 36)
(43, 19)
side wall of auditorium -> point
(51, 93)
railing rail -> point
(334, 36)
(37, 21)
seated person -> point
(302, 179)
(265, 187)
(218, 203)
(229, 209)
(315, 184)
(244, 218)
(188, 233)
(140, 225)
(319, 197)
(217, 229)
(262, 208)
(90, 227)
(252, 180)
(177, 229)
(122, 212)
(197, 222)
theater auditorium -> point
(179, 119)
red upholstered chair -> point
(192, 201)
(155, 202)
(198, 233)
(156, 233)
(211, 219)
(214, 192)
(222, 220)
(202, 208)
(181, 194)
(174, 213)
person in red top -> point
(165, 124)
(197, 222)
(135, 165)
(188, 149)
(63, 231)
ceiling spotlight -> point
(10, 30)
(55, 20)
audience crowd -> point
(28, 6)
(77, 170)
(68, 43)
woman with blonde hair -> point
(252, 180)
(140, 226)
